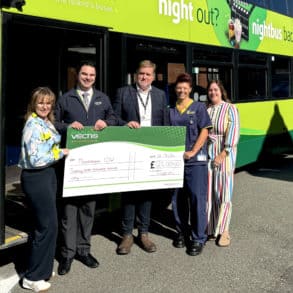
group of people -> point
(202, 208)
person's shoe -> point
(179, 241)
(125, 245)
(225, 239)
(211, 238)
(146, 243)
(88, 260)
(64, 266)
(36, 286)
(194, 248)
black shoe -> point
(88, 260)
(64, 266)
(179, 241)
(194, 248)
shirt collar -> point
(81, 92)
(143, 92)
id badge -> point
(201, 156)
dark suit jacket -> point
(69, 108)
(126, 106)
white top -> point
(145, 106)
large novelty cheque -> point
(119, 159)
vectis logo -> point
(85, 136)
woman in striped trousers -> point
(222, 150)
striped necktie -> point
(86, 100)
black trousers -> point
(40, 188)
(76, 225)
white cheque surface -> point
(121, 166)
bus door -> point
(38, 52)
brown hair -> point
(147, 63)
(40, 94)
(222, 90)
(184, 77)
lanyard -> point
(146, 102)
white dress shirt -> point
(145, 106)
(89, 94)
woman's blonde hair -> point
(38, 95)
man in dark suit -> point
(139, 105)
(81, 106)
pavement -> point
(260, 258)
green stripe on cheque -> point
(170, 136)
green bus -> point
(248, 47)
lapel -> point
(94, 98)
(74, 94)
(133, 94)
(153, 99)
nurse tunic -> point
(195, 118)
(223, 135)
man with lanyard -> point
(139, 105)
(81, 106)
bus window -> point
(252, 83)
(252, 76)
(280, 77)
(211, 64)
(203, 75)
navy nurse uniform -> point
(189, 202)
